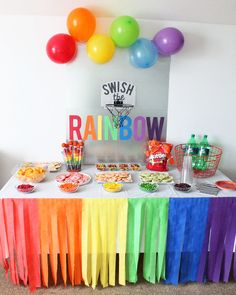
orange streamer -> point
(53, 234)
(60, 232)
(74, 240)
(44, 239)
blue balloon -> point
(143, 53)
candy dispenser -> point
(73, 155)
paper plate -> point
(229, 185)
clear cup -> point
(187, 170)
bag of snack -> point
(159, 155)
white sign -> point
(118, 92)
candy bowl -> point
(112, 187)
(25, 188)
(68, 187)
(183, 187)
(148, 187)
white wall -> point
(34, 91)
(202, 89)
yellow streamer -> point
(104, 228)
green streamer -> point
(136, 209)
(155, 239)
(148, 217)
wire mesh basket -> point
(211, 161)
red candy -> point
(25, 188)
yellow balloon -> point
(100, 48)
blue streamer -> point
(186, 230)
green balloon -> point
(124, 31)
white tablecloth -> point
(49, 188)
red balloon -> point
(61, 48)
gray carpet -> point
(142, 288)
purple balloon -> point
(169, 41)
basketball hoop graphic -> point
(118, 98)
(119, 113)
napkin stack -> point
(207, 188)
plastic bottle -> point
(204, 149)
(192, 149)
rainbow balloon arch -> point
(124, 33)
(185, 240)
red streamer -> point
(20, 240)
(31, 222)
(10, 234)
(3, 240)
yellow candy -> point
(112, 186)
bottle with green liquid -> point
(192, 149)
(203, 153)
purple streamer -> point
(220, 236)
(203, 260)
(234, 267)
(229, 245)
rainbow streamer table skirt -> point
(183, 240)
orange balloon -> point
(81, 24)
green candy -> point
(149, 187)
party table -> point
(184, 236)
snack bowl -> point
(25, 188)
(101, 167)
(148, 187)
(31, 174)
(135, 167)
(123, 167)
(183, 187)
(112, 187)
(68, 187)
(112, 167)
